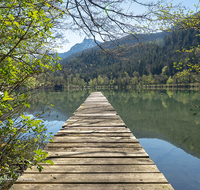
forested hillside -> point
(151, 63)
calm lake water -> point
(165, 123)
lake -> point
(166, 123)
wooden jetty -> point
(95, 151)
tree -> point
(25, 34)
(90, 83)
(100, 80)
(165, 70)
(170, 80)
(176, 20)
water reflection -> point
(182, 170)
(169, 116)
(164, 122)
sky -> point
(74, 38)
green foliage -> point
(19, 138)
(184, 19)
(165, 70)
(25, 34)
(40, 157)
(170, 80)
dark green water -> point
(164, 122)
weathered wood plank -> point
(95, 120)
(136, 148)
(95, 169)
(95, 106)
(94, 134)
(94, 125)
(96, 111)
(95, 130)
(104, 161)
(91, 178)
(91, 186)
(100, 145)
(95, 100)
(89, 106)
(90, 102)
(138, 152)
(114, 117)
(91, 120)
(94, 139)
(93, 114)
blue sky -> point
(74, 38)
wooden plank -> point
(136, 148)
(91, 186)
(91, 115)
(100, 145)
(93, 134)
(95, 109)
(95, 106)
(105, 161)
(95, 112)
(137, 153)
(94, 124)
(95, 169)
(103, 126)
(94, 130)
(97, 122)
(91, 178)
(95, 119)
(114, 117)
(94, 139)
(97, 103)
(97, 99)
(89, 106)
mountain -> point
(85, 44)
(128, 40)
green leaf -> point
(49, 162)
